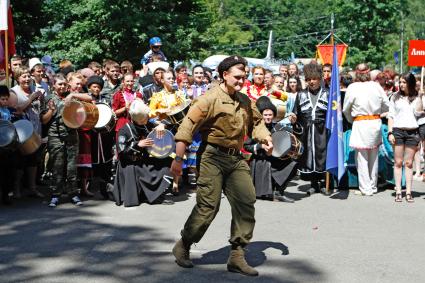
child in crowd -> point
(101, 144)
(84, 161)
(7, 171)
(62, 143)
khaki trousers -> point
(231, 174)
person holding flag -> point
(309, 111)
(364, 103)
(335, 149)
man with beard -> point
(309, 111)
(223, 116)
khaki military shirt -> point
(223, 120)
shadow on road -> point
(255, 255)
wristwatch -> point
(178, 158)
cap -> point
(229, 62)
(34, 61)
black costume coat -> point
(314, 138)
(139, 176)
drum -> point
(280, 107)
(107, 118)
(29, 140)
(8, 137)
(286, 145)
(179, 112)
(162, 148)
(80, 114)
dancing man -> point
(223, 116)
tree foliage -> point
(88, 30)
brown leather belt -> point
(227, 150)
(367, 117)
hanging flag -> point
(396, 57)
(1, 53)
(325, 53)
(6, 24)
(4, 6)
(335, 148)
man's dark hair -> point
(179, 67)
(4, 91)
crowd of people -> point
(384, 128)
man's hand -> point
(292, 118)
(160, 131)
(35, 95)
(176, 168)
(268, 147)
(145, 143)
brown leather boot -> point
(181, 252)
(237, 263)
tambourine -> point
(162, 147)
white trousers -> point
(367, 169)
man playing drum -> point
(224, 116)
(270, 175)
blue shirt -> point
(5, 114)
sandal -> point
(399, 197)
(409, 198)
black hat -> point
(263, 103)
(312, 71)
(95, 80)
(229, 62)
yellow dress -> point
(165, 100)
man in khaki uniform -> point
(224, 116)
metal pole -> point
(6, 57)
(401, 43)
(332, 28)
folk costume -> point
(363, 105)
(139, 177)
(310, 108)
(270, 174)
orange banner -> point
(325, 52)
(416, 54)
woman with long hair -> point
(403, 134)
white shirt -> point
(403, 112)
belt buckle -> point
(231, 151)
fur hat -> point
(95, 80)
(312, 71)
(264, 103)
(229, 62)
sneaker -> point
(76, 200)
(54, 202)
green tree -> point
(367, 24)
(96, 29)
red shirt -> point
(118, 102)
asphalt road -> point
(349, 238)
